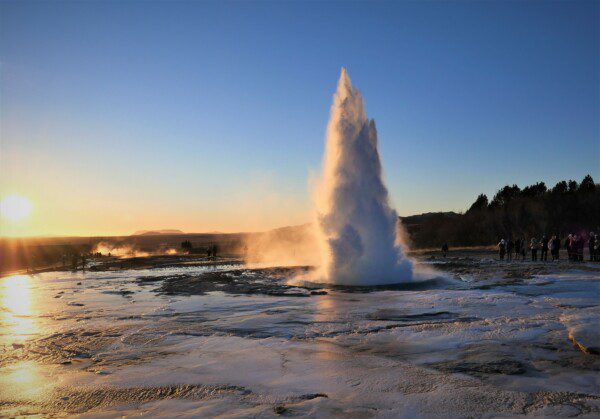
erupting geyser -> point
(357, 229)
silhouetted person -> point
(544, 245)
(445, 249)
(215, 249)
(521, 248)
(534, 245)
(510, 247)
(574, 243)
(83, 261)
(502, 249)
(580, 247)
(569, 246)
(555, 247)
(592, 245)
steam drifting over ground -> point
(357, 228)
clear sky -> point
(120, 116)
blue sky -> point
(119, 116)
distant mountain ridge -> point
(157, 232)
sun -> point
(15, 208)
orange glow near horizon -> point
(53, 212)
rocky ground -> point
(170, 336)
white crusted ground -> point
(101, 344)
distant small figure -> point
(510, 247)
(186, 245)
(580, 247)
(544, 245)
(569, 246)
(534, 244)
(518, 244)
(555, 248)
(502, 249)
(74, 259)
(445, 249)
(83, 261)
(592, 245)
(215, 249)
(574, 244)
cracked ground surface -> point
(475, 337)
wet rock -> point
(583, 330)
(279, 410)
(267, 281)
(500, 366)
(399, 315)
(311, 396)
(124, 293)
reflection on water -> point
(23, 380)
(16, 310)
(18, 323)
(330, 314)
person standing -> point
(574, 248)
(592, 245)
(445, 249)
(510, 247)
(533, 245)
(544, 243)
(555, 248)
(580, 247)
(502, 249)
(517, 248)
(568, 246)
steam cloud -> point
(357, 229)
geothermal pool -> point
(484, 338)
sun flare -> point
(15, 208)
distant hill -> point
(156, 232)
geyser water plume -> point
(357, 228)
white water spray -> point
(357, 229)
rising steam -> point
(356, 228)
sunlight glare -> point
(15, 208)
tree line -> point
(535, 210)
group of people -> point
(574, 244)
